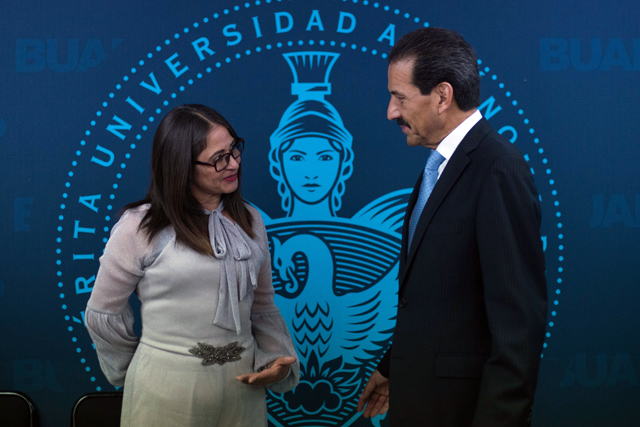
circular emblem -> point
(275, 70)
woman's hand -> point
(276, 372)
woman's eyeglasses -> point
(221, 162)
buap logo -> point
(334, 273)
(557, 54)
(33, 55)
(601, 370)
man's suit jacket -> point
(472, 299)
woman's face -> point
(207, 185)
(311, 167)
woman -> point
(197, 257)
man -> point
(472, 298)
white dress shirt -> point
(449, 144)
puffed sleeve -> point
(109, 317)
(269, 328)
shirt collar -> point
(451, 141)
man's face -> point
(417, 114)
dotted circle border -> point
(483, 72)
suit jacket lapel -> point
(456, 165)
(405, 227)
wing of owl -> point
(385, 213)
(365, 320)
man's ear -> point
(444, 92)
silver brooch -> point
(220, 355)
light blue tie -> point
(429, 178)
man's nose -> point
(392, 111)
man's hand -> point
(278, 370)
(375, 396)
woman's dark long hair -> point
(179, 140)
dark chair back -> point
(97, 410)
(16, 410)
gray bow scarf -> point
(233, 247)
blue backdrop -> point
(84, 86)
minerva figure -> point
(335, 278)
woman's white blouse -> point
(187, 297)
